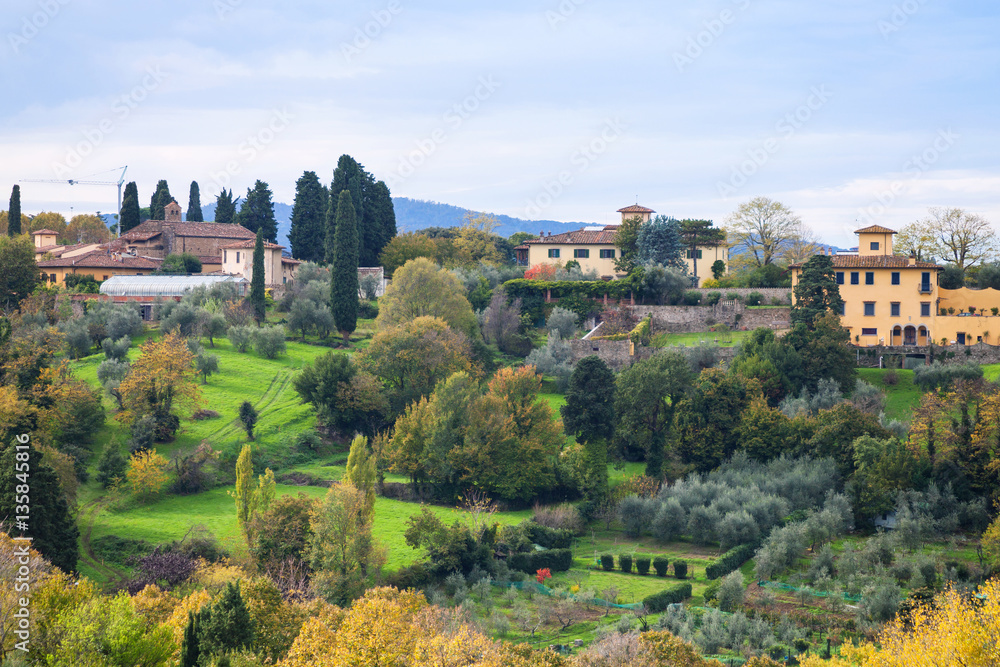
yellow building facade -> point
(891, 299)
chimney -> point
(913, 258)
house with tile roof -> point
(47, 247)
(99, 263)
(237, 260)
(892, 299)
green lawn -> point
(901, 398)
(722, 339)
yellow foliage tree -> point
(146, 474)
(251, 500)
(161, 379)
(178, 618)
(38, 570)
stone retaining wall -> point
(980, 353)
(691, 319)
(782, 293)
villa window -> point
(581, 253)
(869, 277)
(843, 308)
(237, 256)
(840, 277)
(869, 332)
(869, 308)
(608, 254)
(691, 254)
(855, 278)
(925, 309)
(874, 245)
(895, 277)
(554, 253)
(894, 309)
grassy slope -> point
(725, 339)
(901, 398)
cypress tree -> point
(225, 207)
(257, 301)
(189, 644)
(130, 208)
(344, 269)
(194, 204)
(307, 235)
(54, 533)
(161, 197)
(382, 225)
(14, 212)
(350, 176)
(257, 212)
(589, 415)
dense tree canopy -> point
(422, 289)
(257, 212)
(307, 235)
(817, 292)
(20, 273)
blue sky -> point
(848, 112)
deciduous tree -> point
(251, 499)
(762, 226)
(20, 273)
(405, 247)
(146, 474)
(422, 289)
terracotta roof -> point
(370, 270)
(148, 230)
(876, 229)
(580, 237)
(133, 235)
(521, 247)
(289, 260)
(875, 262)
(44, 231)
(101, 259)
(214, 259)
(635, 208)
(58, 250)
(250, 243)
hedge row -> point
(557, 560)
(550, 538)
(593, 289)
(658, 602)
(729, 561)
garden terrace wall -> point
(980, 353)
(782, 293)
(691, 319)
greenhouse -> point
(165, 286)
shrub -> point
(607, 562)
(557, 560)
(733, 296)
(712, 298)
(241, 337)
(680, 569)
(754, 298)
(642, 564)
(729, 561)
(712, 590)
(269, 341)
(661, 564)
(625, 563)
(560, 517)
(550, 538)
(692, 298)
(731, 591)
(890, 378)
(367, 310)
(659, 601)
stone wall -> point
(690, 319)
(980, 353)
(784, 294)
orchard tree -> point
(817, 292)
(344, 269)
(194, 204)
(161, 197)
(257, 298)
(589, 416)
(762, 226)
(257, 212)
(14, 212)
(225, 207)
(130, 215)
(307, 234)
(422, 289)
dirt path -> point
(88, 513)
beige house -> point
(100, 264)
(237, 260)
(47, 246)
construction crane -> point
(73, 181)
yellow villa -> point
(896, 300)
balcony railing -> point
(925, 288)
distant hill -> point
(416, 214)
(282, 215)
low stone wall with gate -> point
(889, 356)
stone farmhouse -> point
(594, 248)
(895, 300)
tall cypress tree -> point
(350, 176)
(383, 228)
(189, 644)
(14, 212)
(257, 301)
(130, 208)
(54, 533)
(225, 207)
(194, 204)
(161, 197)
(257, 211)
(307, 235)
(344, 269)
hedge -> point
(660, 564)
(642, 564)
(557, 560)
(592, 289)
(729, 561)
(607, 562)
(658, 602)
(680, 569)
(550, 538)
(625, 563)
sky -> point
(851, 113)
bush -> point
(692, 298)
(112, 466)
(560, 517)
(642, 564)
(754, 298)
(680, 569)
(659, 601)
(733, 296)
(712, 590)
(712, 298)
(625, 563)
(729, 561)
(890, 378)
(557, 560)
(550, 538)
(269, 341)
(241, 337)
(607, 562)
(367, 310)
(661, 564)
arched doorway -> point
(910, 336)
